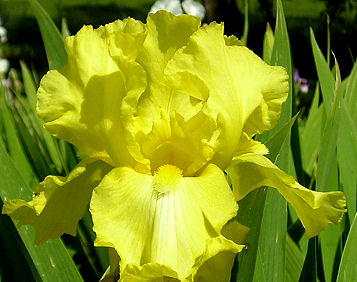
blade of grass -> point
(51, 258)
(56, 55)
(347, 158)
(348, 266)
(309, 270)
(48, 142)
(244, 37)
(294, 260)
(268, 44)
(250, 213)
(29, 85)
(40, 161)
(327, 177)
(310, 137)
(14, 145)
(272, 239)
(346, 143)
(14, 255)
(327, 82)
(275, 142)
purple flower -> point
(301, 82)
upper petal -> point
(166, 34)
(243, 89)
(91, 100)
(125, 37)
(164, 219)
(315, 209)
(59, 202)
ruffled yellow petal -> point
(248, 145)
(166, 34)
(92, 99)
(214, 265)
(164, 219)
(217, 261)
(232, 41)
(59, 202)
(246, 92)
(235, 231)
(188, 145)
(150, 272)
(125, 37)
(315, 209)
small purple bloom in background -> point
(301, 82)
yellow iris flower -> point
(158, 112)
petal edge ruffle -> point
(316, 210)
(59, 202)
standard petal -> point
(239, 91)
(91, 100)
(88, 55)
(166, 34)
(125, 37)
(59, 202)
(315, 209)
(164, 219)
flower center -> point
(166, 178)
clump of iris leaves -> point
(319, 148)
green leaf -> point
(268, 44)
(347, 158)
(52, 39)
(14, 255)
(265, 211)
(64, 28)
(325, 76)
(40, 161)
(244, 37)
(346, 144)
(48, 141)
(275, 142)
(310, 136)
(274, 222)
(351, 91)
(15, 147)
(328, 141)
(327, 177)
(309, 270)
(348, 266)
(29, 85)
(294, 260)
(51, 259)
(250, 214)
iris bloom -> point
(158, 112)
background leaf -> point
(348, 266)
(51, 260)
(56, 55)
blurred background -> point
(24, 40)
